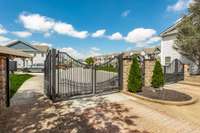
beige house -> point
(38, 52)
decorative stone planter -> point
(165, 102)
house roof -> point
(133, 52)
(12, 52)
(173, 28)
(14, 42)
(42, 48)
(146, 50)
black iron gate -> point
(174, 72)
(66, 77)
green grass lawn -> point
(16, 80)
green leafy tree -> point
(135, 77)
(188, 37)
(158, 76)
(89, 61)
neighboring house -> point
(147, 53)
(6, 54)
(168, 53)
(38, 53)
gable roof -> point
(41, 48)
(12, 52)
(14, 42)
(173, 29)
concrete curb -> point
(182, 103)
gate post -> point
(53, 76)
(120, 71)
(7, 83)
(176, 70)
(94, 78)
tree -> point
(158, 76)
(135, 77)
(188, 37)
(89, 61)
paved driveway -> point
(103, 114)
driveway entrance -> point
(66, 77)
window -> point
(34, 54)
(42, 54)
(167, 60)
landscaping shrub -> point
(109, 68)
(135, 77)
(158, 76)
(89, 61)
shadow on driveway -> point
(42, 116)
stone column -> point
(2, 83)
(186, 71)
(149, 66)
(126, 69)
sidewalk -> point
(30, 110)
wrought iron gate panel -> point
(107, 76)
(174, 72)
(66, 77)
(72, 77)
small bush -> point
(158, 76)
(135, 77)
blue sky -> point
(89, 27)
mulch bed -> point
(164, 94)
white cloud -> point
(36, 22)
(139, 35)
(125, 13)
(116, 36)
(179, 5)
(2, 30)
(22, 34)
(72, 52)
(93, 51)
(41, 43)
(68, 29)
(3, 40)
(99, 33)
(153, 40)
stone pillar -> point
(126, 69)
(186, 71)
(2, 83)
(149, 66)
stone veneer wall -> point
(186, 71)
(149, 66)
(2, 83)
(126, 69)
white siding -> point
(167, 50)
(37, 59)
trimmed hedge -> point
(158, 76)
(135, 77)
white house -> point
(38, 53)
(168, 53)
